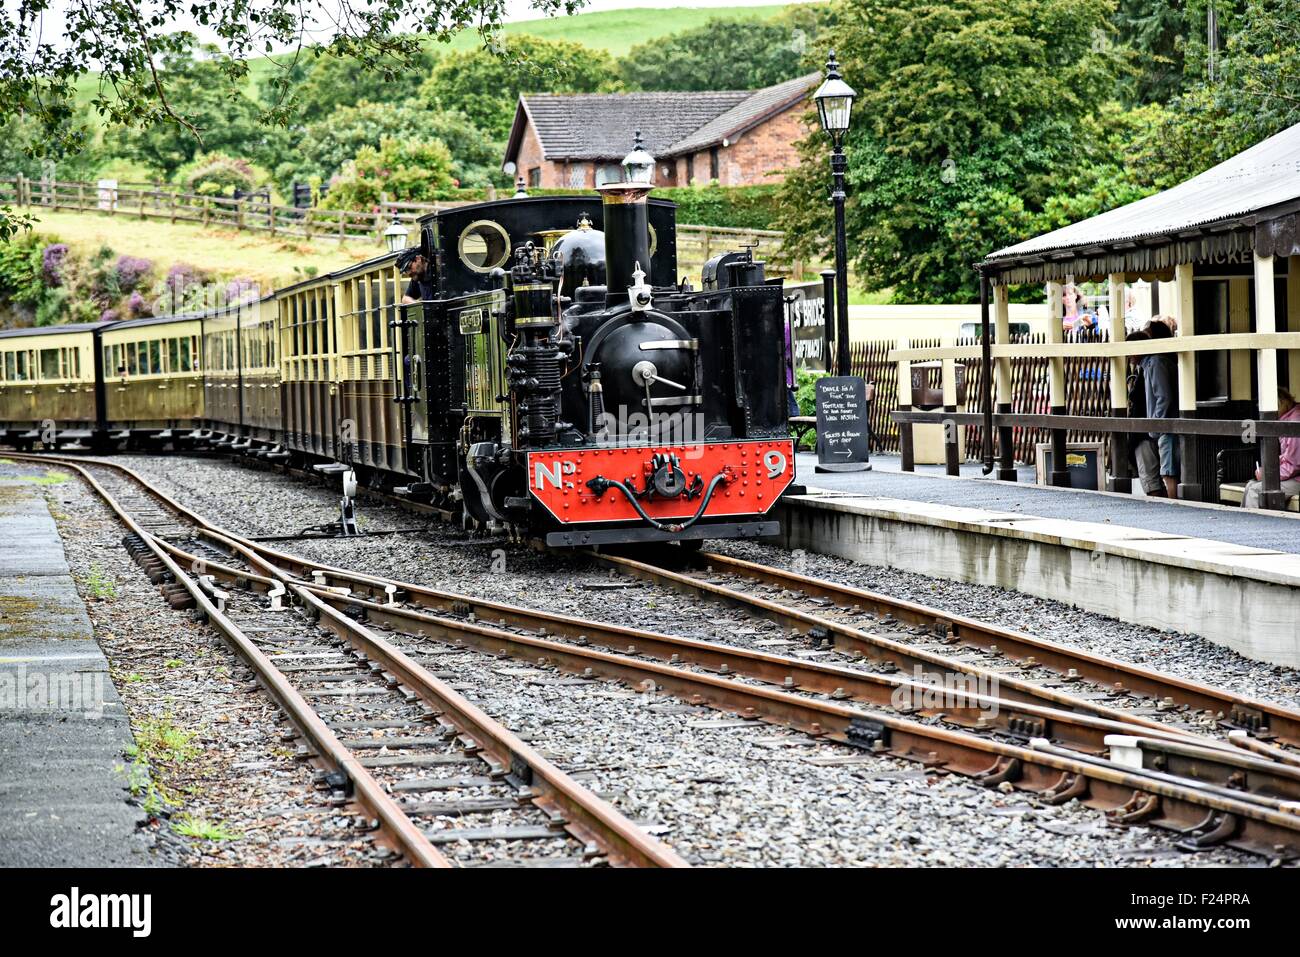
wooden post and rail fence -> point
(158, 201)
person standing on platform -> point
(1161, 374)
(1142, 450)
(1288, 456)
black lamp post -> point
(834, 99)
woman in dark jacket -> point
(1161, 375)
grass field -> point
(269, 261)
(615, 31)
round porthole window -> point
(484, 246)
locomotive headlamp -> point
(395, 235)
(834, 99)
(638, 165)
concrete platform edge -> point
(1242, 598)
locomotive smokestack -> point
(627, 223)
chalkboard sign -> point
(843, 432)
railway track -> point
(902, 634)
(377, 721)
(1135, 769)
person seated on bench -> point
(1289, 456)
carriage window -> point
(483, 246)
(10, 366)
(131, 357)
(173, 355)
(376, 320)
(49, 363)
(155, 356)
(22, 367)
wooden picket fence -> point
(159, 201)
(1087, 382)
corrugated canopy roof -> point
(1257, 180)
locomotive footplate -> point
(666, 488)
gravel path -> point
(719, 790)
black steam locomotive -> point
(554, 379)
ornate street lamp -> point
(395, 235)
(834, 99)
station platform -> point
(63, 731)
(1227, 574)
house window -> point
(535, 176)
(690, 169)
(713, 163)
(608, 173)
(578, 176)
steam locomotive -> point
(555, 378)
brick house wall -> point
(757, 156)
(750, 159)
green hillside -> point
(616, 31)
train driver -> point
(412, 263)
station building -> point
(1220, 253)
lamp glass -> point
(639, 168)
(395, 236)
(834, 104)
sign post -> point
(843, 428)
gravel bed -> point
(211, 753)
(1188, 656)
(719, 794)
(724, 791)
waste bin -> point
(927, 396)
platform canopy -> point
(1245, 205)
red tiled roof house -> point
(738, 137)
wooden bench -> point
(802, 425)
(1232, 493)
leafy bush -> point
(217, 174)
(131, 272)
(400, 170)
(328, 144)
(52, 263)
(138, 306)
(22, 270)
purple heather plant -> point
(241, 289)
(52, 263)
(131, 271)
(108, 315)
(138, 306)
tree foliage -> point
(332, 83)
(725, 54)
(411, 171)
(127, 41)
(485, 84)
(995, 90)
(326, 145)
